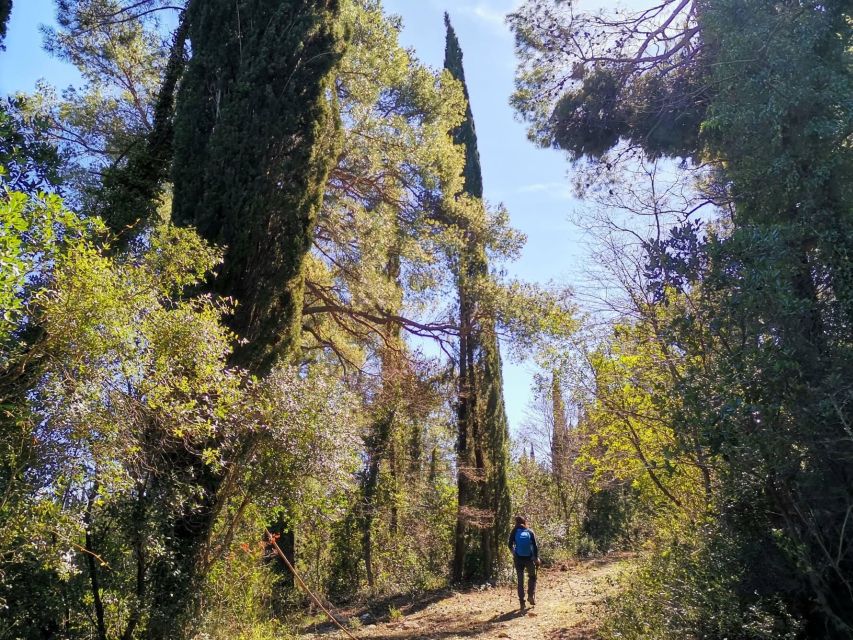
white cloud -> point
(490, 12)
(557, 190)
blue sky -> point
(531, 182)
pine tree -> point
(131, 192)
(482, 445)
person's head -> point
(520, 521)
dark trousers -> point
(520, 565)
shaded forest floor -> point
(569, 599)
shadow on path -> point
(511, 615)
(570, 599)
(489, 629)
(379, 609)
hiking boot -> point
(532, 600)
(521, 605)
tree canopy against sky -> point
(531, 184)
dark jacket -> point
(534, 544)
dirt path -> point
(568, 599)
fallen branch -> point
(271, 540)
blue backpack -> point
(523, 543)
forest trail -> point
(568, 600)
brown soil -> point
(568, 606)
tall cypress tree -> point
(560, 428)
(255, 138)
(483, 432)
(256, 135)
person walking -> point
(525, 554)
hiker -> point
(525, 554)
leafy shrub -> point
(608, 522)
(694, 589)
(239, 597)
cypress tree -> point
(483, 431)
(255, 138)
(465, 134)
(560, 429)
(5, 12)
(561, 447)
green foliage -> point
(28, 161)
(129, 361)
(693, 588)
(585, 82)
(135, 375)
(380, 256)
(538, 320)
(465, 134)
(635, 434)
(577, 505)
(242, 596)
(249, 169)
(5, 12)
(33, 232)
(757, 316)
(102, 334)
(103, 123)
(650, 111)
(609, 521)
(533, 493)
(277, 147)
(131, 190)
(784, 294)
(345, 573)
(379, 259)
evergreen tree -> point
(465, 134)
(482, 445)
(5, 12)
(255, 138)
(105, 126)
(559, 428)
(131, 191)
